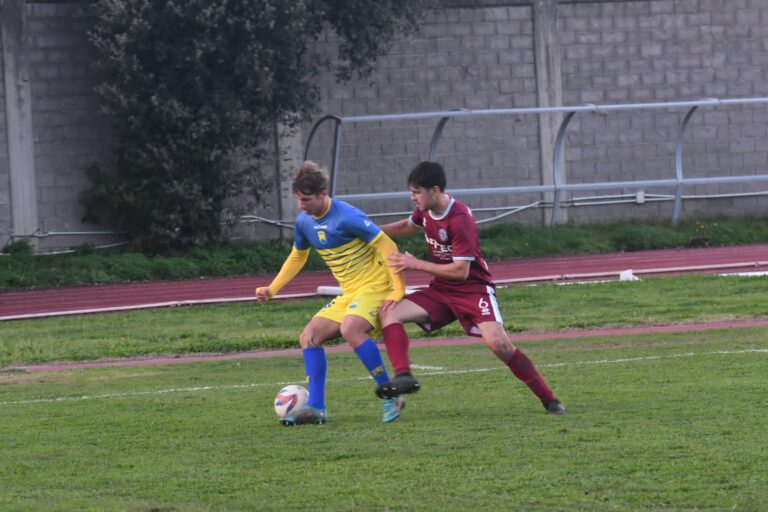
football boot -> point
(400, 384)
(306, 415)
(392, 408)
(554, 407)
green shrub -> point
(174, 268)
(85, 250)
(212, 263)
(195, 90)
(18, 248)
(130, 266)
(640, 237)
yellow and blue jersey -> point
(343, 238)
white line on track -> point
(445, 372)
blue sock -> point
(317, 367)
(370, 355)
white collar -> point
(447, 210)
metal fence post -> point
(557, 169)
(436, 137)
(335, 150)
(679, 164)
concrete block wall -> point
(5, 170)
(476, 55)
(461, 58)
(70, 132)
(666, 50)
(481, 55)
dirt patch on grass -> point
(19, 376)
(516, 338)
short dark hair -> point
(310, 178)
(427, 175)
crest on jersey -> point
(443, 234)
(321, 236)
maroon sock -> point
(526, 371)
(397, 347)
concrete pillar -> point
(18, 113)
(549, 89)
(290, 153)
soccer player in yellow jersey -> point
(356, 251)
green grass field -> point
(672, 422)
(252, 326)
(655, 422)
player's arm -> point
(457, 270)
(400, 228)
(462, 229)
(292, 266)
(387, 247)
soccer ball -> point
(289, 399)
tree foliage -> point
(195, 88)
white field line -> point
(351, 379)
(425, 367)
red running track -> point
(85, 299)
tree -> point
(194, 88)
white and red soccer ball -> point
(289, 399)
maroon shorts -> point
(470, 309)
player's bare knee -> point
(307, 339)
(352, 334)
(345, 331)
(495, 344)
(387, 317)
(399, 316)
(501, 346)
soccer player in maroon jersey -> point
(462, 288)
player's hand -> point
(263, 294)
(403, 261)
(387, 305)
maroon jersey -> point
(453, 236)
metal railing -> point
(559, 184)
